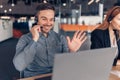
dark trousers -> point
(115, 61)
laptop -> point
(93, 64)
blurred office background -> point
(17, 17)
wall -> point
(90, 20)
(6, 29)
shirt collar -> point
(41, 34)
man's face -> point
(46, 20)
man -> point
(35, 51)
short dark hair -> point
(45, 6)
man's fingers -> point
(81, 33)
(83, 39)
(68, 39)
(36, 28)
(76, 34)
(82, 36)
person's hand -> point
(35, 32)
(75, 43)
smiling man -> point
(35, 51)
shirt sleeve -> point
(25, 52)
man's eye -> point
(52, 20)
(43, 19)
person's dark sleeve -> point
(25, 52)
(96, 39)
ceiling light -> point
(12, 4)
(64, 4)
(45, 1)
(10, 10)
(1, 6)
(5, 11)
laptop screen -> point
(84, 65)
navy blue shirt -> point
(35, 58)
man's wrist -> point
(34, 39)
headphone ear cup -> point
(109, 19)
(36, 19)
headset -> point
(36, 21)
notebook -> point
(93, 64)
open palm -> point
(75, 43)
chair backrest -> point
(86, 45)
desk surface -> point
(112, 76)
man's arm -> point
(25, 52)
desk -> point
(36, 77)
(112, 77)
